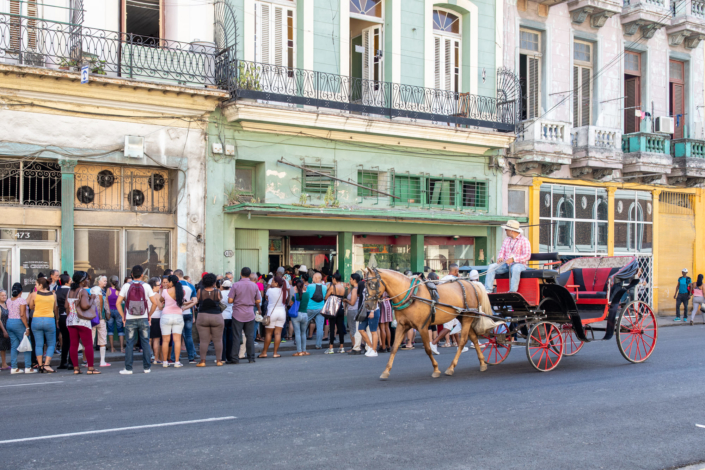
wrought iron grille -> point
(676, 203)
(305, 87)
(108, 188)
(42, 43)
(30, 184)
(644, 291)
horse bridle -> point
(408, 294)
(374, 283)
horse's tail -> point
(483, 301)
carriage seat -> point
(591, 282)
(533, 274)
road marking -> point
(26, 385)
(700, 425)
(102, 431)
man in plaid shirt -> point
(512, 257)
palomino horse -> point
(411, 313)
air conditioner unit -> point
(665, 125)
(134, 146)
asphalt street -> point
(595, 410)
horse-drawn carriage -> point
(556, 311)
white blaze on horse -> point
(414, 308)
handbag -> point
(294, 309)
(25, 345)
(361, 315)
(88, 314)
(331, 307)
(267, 320)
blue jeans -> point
(514, 275)
(137, 327)
(373, 322)
(188, 337)
(300, 323)
(115, 318)
(44, 328)
(320, 322)
(15, 329)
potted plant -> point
(97, 66)
(67, 64)
(248, 77)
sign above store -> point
(28, 235)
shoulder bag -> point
(331, 307)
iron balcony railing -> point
(275, 83)
(30, 183)
(42, 43)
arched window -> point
(366, 7)
(447, 50)
(275, 33)
(563, 235)
(635, 232)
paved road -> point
(332, 412)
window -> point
(530, 74)
(633, 218)
(31, 183)
(275, 28)
(439, 257)
(632, 92)
(149, 248)
(97, 252)
(372, 58)
(441, 192)
(582, 83)
(517, 201)
(446, 43)
(143, 18)
(244, 181)
(315, 176)
(573, 219)
(408, 189)
(366, 7)
(26, 26)
(677, 96)
(474, 194)
(369, 179)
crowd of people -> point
(68, 316)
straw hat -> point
(513, 226)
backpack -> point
(294, 309)
(318, 294)
(136, 302)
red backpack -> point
(136, 301)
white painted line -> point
(700, 426)
(102, 431)
(38, 383)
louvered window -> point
(677, 96)
(372, 58)
(582, 83)
(25, 23)
(530, 74)
(632, 92)
(446, 46)
(275, 27)
(316, 177)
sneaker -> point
(165, 364)
(465, 349)
(329, 351)
(30, 371)
(434, 349)
(178, 364)
(341, 350)
(354, 352)
(105, 364)
(126, 372)
(17, 371)
(472, 346)
(190, 361)
(371, 353)
(147, 371)
(677, 319)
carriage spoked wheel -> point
(544, 346)
(571, 343)
(637, 332)
(495, 346)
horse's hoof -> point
(435, 375)
(483, 367)
(384, 376)
(450, 372)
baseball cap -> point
(474, 275)
(685, 270)
(227, 283)
(303, 268)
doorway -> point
(275, 261)
(26, 253)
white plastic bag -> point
(25, 345)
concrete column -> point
(534, 231)
(417, 254)
(481, 251)
(81, 261)
(655, 247)
(699, 251)
(68, 193)
(610, 220)
(345, 254)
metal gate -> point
(645, 290)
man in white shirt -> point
(137, 319)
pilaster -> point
(655, 247)
(68, 189)
(345, 255)
(417, 254)
(610, 220)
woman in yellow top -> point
(44, 323)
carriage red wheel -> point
(637, 332)
(544, 346)
(493, 348)
(571, 343)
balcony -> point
(41, 43)
(597, 152)
(542, 146)
(688, 23)
(599, 11)
(646, 156)
(688, 162)
(647, 15)
(289, 86)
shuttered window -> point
(274, 34)
(677, 96)
(446, 46)
(372, 57)
(582, 83)
(315, 177)
(31, 11)
(530, 74)
(632, 91)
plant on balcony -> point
(248, 78)
(329, 199)
(66, 64)
(97, 66)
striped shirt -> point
(517, 248)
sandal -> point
(201, 364)
(48, 370)
(92, 372)
(277, 355)
(262, 357)
(298, 354)
(218, 363)
(77, 370)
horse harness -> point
(410, 296)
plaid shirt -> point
(518, 248)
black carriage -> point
(556, 311)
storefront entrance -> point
(24, 253)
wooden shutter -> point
(279, 36)
(367, 44)
(678, 108)
(533, 87)
(263, 39)
(32, 12)
(448, 65)
(632, 102)
(576, 96)
(15, 30)
(585, 95)
(437, 61)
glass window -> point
(633, 213)
(440, 192)
(676, 70)
(368, 179)
(517, 201)
(585, 203)
(446, 22)
(631, 62)
(366, 7)
(244, 180)
(97, 252)
(33, 262)
(530, 41)
(6, 269)
(545, 244)
(396, 257)
(28, 235)
(563, 202)
(439, 257)
(581, 51)
(475, 194)
(149, 248)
